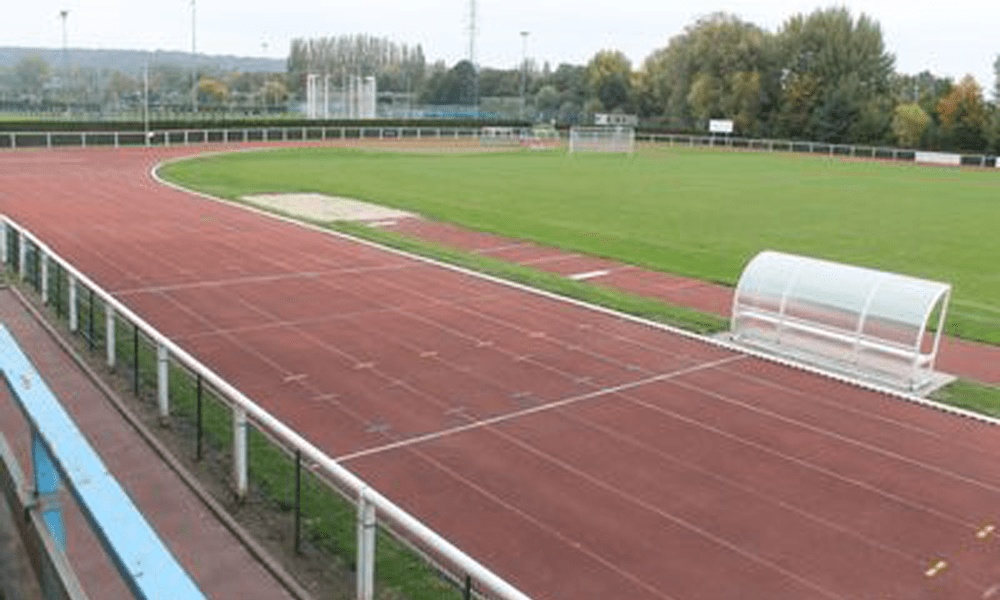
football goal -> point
(499, 136)
(602, 139)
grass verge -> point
(977, 397)
(655, 310)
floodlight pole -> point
(63, 14)
(194, 59)
(524, 68)
(145, 102)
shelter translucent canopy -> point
(871, 323)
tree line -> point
(824, 76)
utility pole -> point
(194, 60)
(524, 68)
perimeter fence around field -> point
(806, 147)
(330, 507)
(223, 135)
(187, 137)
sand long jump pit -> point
(320, 207)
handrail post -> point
(240, 452)
(22, 258)
(366, 546)
(74, 312)
(43, 260)
(298, 501)
(109, 334)
(163, 381)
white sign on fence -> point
(720, 126)
(615, 120)
(938, 158)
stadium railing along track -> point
(223, 135)
(33, 261)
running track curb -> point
(719, 343)
(269, 563)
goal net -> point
(499, 136)
(602, 139)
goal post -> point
(602, 139)
(499, 136)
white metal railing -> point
(313, 133)
(369, 501)
(187, 137)
(809, 147)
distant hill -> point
(133, 61)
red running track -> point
(971, 360)
(577, 454)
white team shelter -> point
(869, 324)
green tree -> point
(996, 80)
(548, 99)
(835, 69)
(452, 86)
(609, 75)
(31, 74)
(909, 122)
(964, 117)
(719, 67)
(212, 90)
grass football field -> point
(696, 212)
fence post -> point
(298, 501)
(90, 319)
(48, 140)
(43, 260)
(366, 546)
(198, 432)
(240, 452)
(58, 290)
(74, 310)
(163, 381)
(3, 245)
(22, 257)
(109, 333)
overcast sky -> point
(953, 38)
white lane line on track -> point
(536, 409)
(588, 275)
(492, 249)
